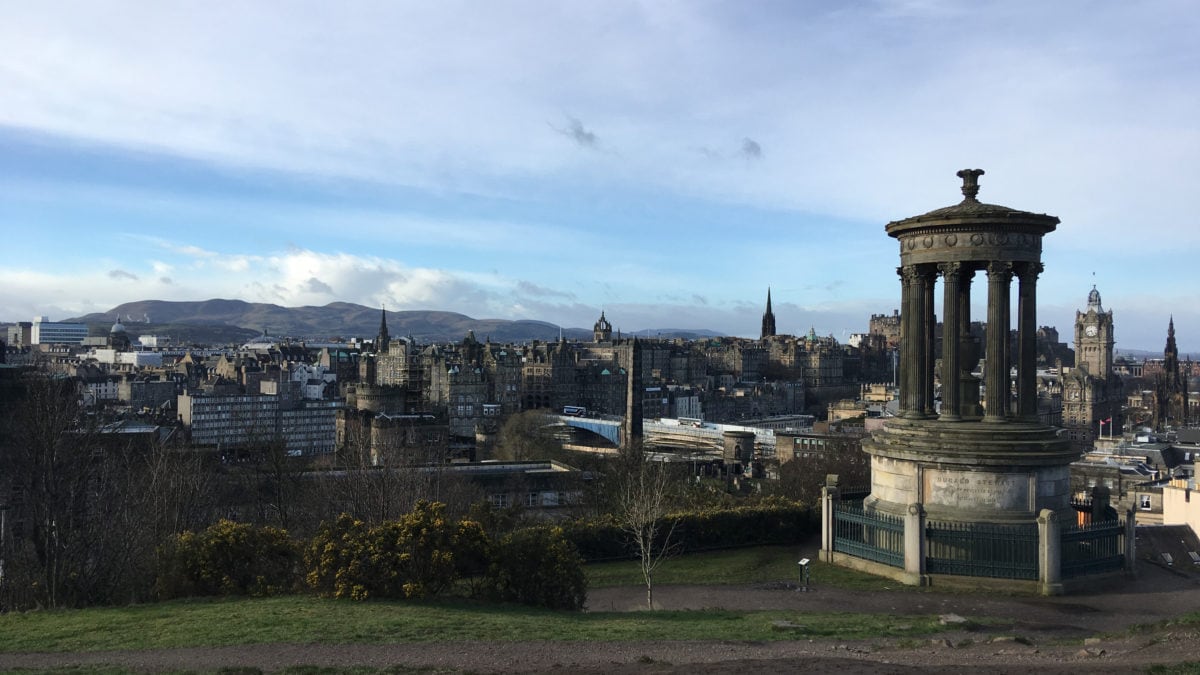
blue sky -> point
(664, 162)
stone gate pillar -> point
(914, 545)
(1049, 554)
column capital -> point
(912, 274)
(1002, 269)
(952, 270)
(1030, 271)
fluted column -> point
(951, 327)
(968, 349)
(908, 341)
(996, 378)
(1027, 342)
(927, 275)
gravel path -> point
(1034, 634)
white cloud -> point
(853, 113)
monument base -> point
(970, 471)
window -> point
(498, 500)
(531, 499)
(1145, 502)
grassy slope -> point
(301, 619)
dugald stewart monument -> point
(975, 486)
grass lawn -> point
(304, 619)
(737, 566)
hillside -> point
(219, 321)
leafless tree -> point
(801, 478)
(73, 501)
(644, 491)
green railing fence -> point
(868, 534)
(1093, 549)
(982, 549)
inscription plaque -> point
(977, 490)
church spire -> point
(768, 319)
(382, 340)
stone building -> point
(886, 326)
(1092, 394)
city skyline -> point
(662, 162)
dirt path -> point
(1034, 634)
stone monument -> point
(982, 457)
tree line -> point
(88, 517)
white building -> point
(47, 332)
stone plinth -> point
(968, 472)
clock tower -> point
(1094, 338)
(1092, 394)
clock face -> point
(1091, 331)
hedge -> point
(774, 521)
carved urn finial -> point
(970, 186)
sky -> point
(663, 162)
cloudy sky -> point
(665, 162)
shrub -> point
(418, 555)
(538, 567)
(228, 558)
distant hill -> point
(228, 321)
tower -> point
(602, 331)
(768, 319)
(1170, 386)
(1094, 338)
(1091, 393)
(383, 339)
(631, 428)
(118, 339)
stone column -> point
(1131, 542)
(914, 545)
(951, 327)
(996, 379)
(968, 349)
(928, 278)
(1027, 343)
(1049, 554)
(909, 364)
(829, 495)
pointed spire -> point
(382, 340)
(768, 319)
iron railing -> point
(868, 534)
(982, 549)
(1093, 549)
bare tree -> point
(643, 500)
(801, 478)
(73, 502)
